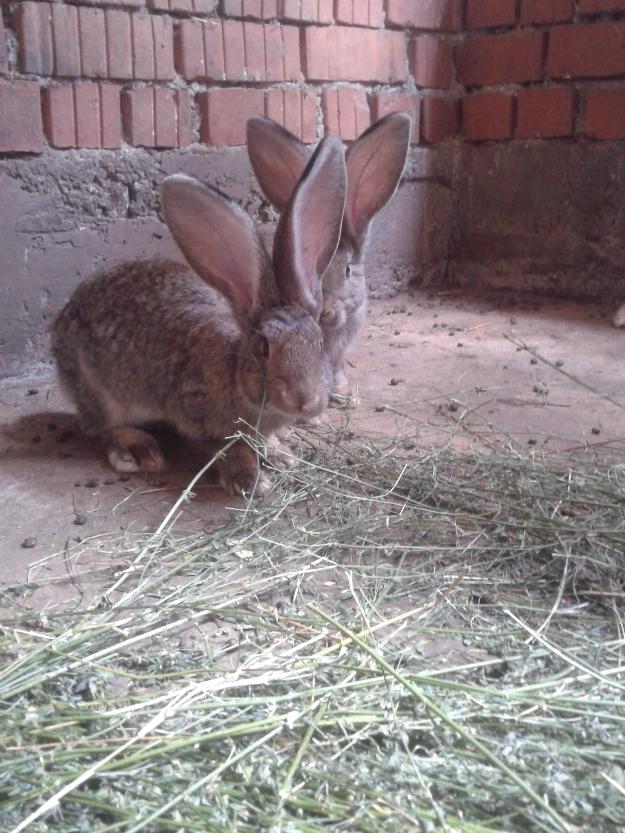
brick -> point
(254, 38)
(34, 32)
(390, 102)
(273, 53)
(500, 59)
(441, 15)
(118, 44)
(92, 42)
(295, 110)
(440, 119)
(160, 5)
(586, 51)
(360, 14)
(482, 14)
(257, 9)
(291, 52)
(110, 116)
(189, 49)
(487, 116)
(342, 53)
(224, 114)
(292, 9)
(163, 39)
(234, 50)
(165, 118)
(59, 122)
(595, 6)
(546, 11)
(215, 68)
(87, 109)
(183, 104)
(326, 10)
(545, 112)
(66, 41)
(138, 116)
(397, 55)
(315, 53)
(309, 117)
(345, 111)
(181, 6)
(274, 105)
(376, 13)
(310, 11)
(344, 11)
(604, 116)
(204, 7)
(270, 8)
(21, 128)
(253, 8)
(431, 62)
(142, 47)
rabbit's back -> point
(136, 337)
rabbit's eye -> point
(264, 347)
(348, 271)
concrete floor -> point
(438, 367)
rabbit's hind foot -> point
(131, 450)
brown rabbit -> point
(231, 338)
(375, 163)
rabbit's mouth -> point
(302, 402)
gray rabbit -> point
(234, 337)
(375, 163)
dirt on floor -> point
(495, 372)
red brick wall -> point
(543, 69)
(171, 73)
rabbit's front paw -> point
(278, 453)
(342, 391)
(240, 474)
(131, 450)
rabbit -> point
(619, 317)
(230, 336)
(375, 162)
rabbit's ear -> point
(278, 159)
(310, 227)
(217, 239)
(375, 162)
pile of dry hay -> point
(395, 639)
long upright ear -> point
(217, 239)
(310, 227)
(278, 159)
(375, 163)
